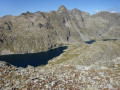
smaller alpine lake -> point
(92, 41)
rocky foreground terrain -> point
(61, 76)
(82, 66)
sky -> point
(16, 7)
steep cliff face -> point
(39, 31)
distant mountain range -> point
(40, 31)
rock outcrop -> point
(39, 31)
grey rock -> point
(40, 31)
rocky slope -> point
(87, 54)
(39, 31)
(80, 67)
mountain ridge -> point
(39, 31)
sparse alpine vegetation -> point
(85, 65)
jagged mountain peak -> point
(26, 13)
(75, 9)
(62, 8)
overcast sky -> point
(16, 7)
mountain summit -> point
(62, 8)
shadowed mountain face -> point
(39, 31)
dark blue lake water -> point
(109, 39)
(90, 42)
(33, 59)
